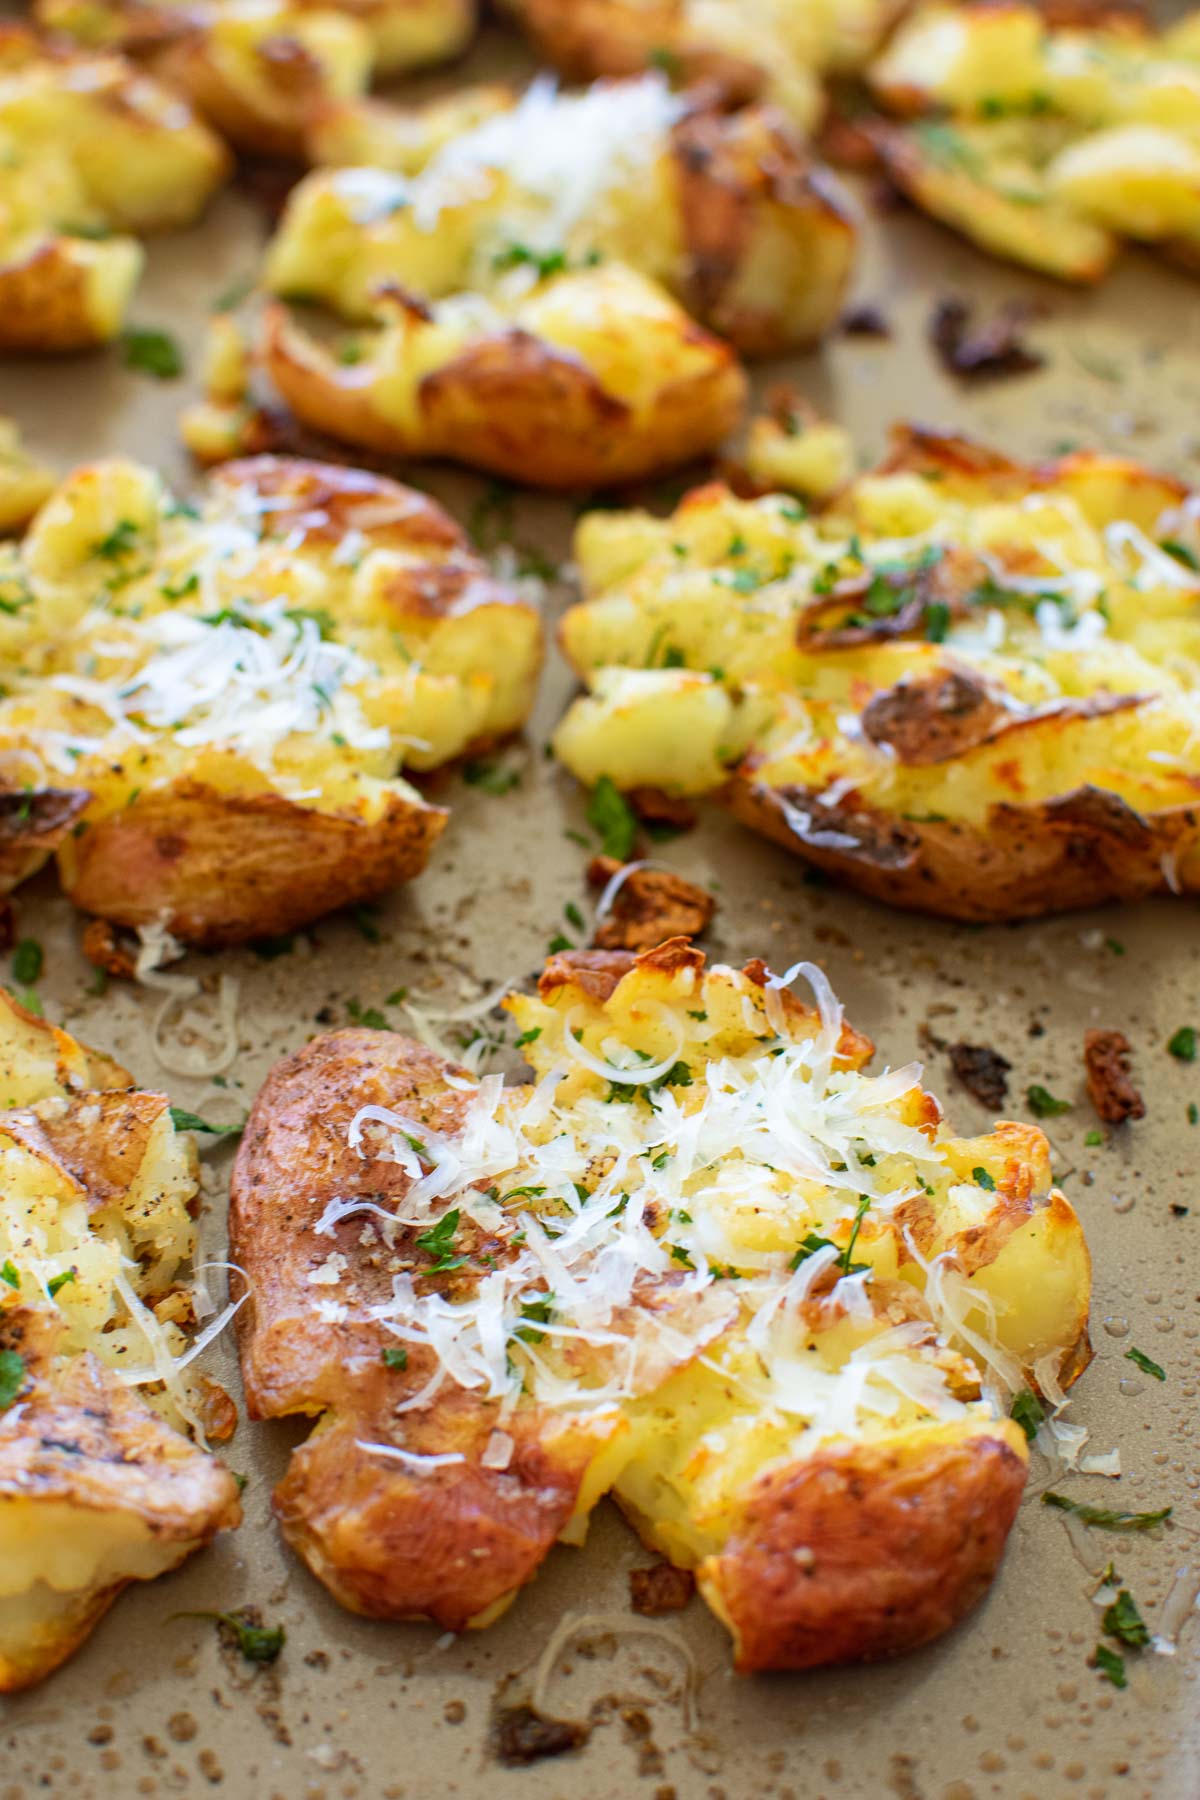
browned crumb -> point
(659, 808)
(105, 950)
(660, 1589)
(1110, 1087)
(650, 906)
(217, 1411)
(982, 1071)
(980, 351)
(865, 321)
(521, 1736)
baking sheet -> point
(1005, 1706)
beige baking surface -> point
(1006, 1706)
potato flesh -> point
(1103, 141)
(672, 593)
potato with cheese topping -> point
(261, 70)
(967, 686)
(750, 49)
(93, 155)
(98, 1485)
(705, 1262)
(1047, 144)
(207, 708)
(528, 300)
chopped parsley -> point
(558, 942)
(1181, 553)
(1123, 1620)
(394, 1356)
(8, 1273)
(365, 919)
(573, 915)
(1043, 1104)
(535, 1313)
(119, 541)
(28, 960)
(518, 256)
(1111, 1665)
(982, 1179)
(1183, 1044)
(611, 817)
(937, 621)
(257, 1643)
(12, 1377)
(369, 1016)
(1107, 1518)
(1028, 1412)
(153, 352)
(493, 778)
(439, 1241)
(529, 1037)
(183, 1120)
(1145, 1363)
(1094, 1139)
(57, 1282)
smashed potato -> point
(261, 70)
(1048, 144)
(207, 709)
(92, 155)
(528, 299)
(967, 687)
(750, 49)
(97, 1488)
(24, 481)
(707, 1264)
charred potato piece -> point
(530, 297)
(233, 690)
(966, 686)
(747, 49)
(92, 154)
(1057, 138)
(97, 1487)
(791, 1366)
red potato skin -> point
(866, 1551)
(388, 1541)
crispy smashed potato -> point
(92, 155)
(207, 709)
(98, 1487)
(262, 70)
(968, 687)
(24, 481)
(641, 906)
(789, 446)
(1048, 144)
(706, 1263)
(528, 300)
(748, 49)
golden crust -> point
(861, 1547)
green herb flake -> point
(937, 621)
(1028, 1412)
(364, 918)
(1043, 1104)
(573, 915)
(1107, 1518)
(257, 1643)
(982, 1179)
(612, 818)
(1145, 1363)
(558, 942)
(394, 1356)
(28, 960)
(1111, 1665)
(492, 778)
(1123, 1620)
(1182, 553)
(529, 1037)
(1183, 1044)
(153, 352)
(439, 1241)
(1193, 1113)
(9, 1273)
(12, 1377)
(183, 1120)
(1094, 1139)
(58, 1282)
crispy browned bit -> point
(8, 925)
(650, 906)
(991, 349)
(847, 139)
(934, 720)
(1110, 1087)
(865, 321)
(521, 1736)
(659, 808)
(660, 1589)
(982, 1071)
(105, 950)
(218, 1414)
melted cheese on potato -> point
(705, 1204)
(304, 632)
(1058, 143)
(1063, 603)
(90, 153)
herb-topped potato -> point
(1048, 144)
(967, 686)
(262, 69)
(529, 298)
(705, 1263)
(92, 155)
(750, 49)
(207, 708)
(99, 1486)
